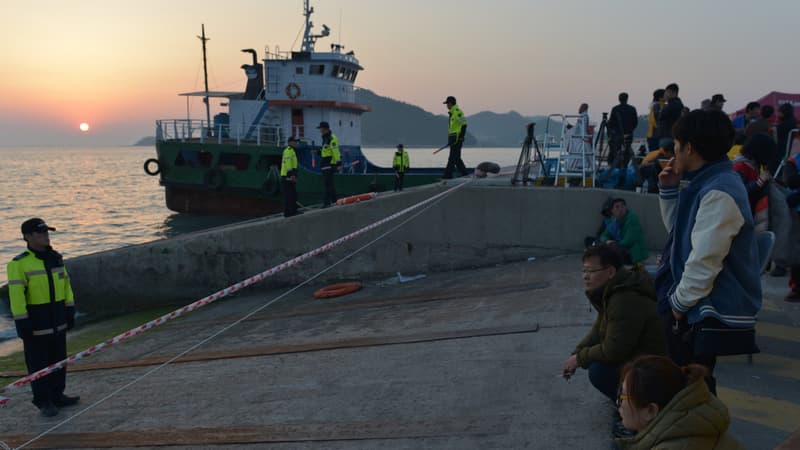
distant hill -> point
(391, 122)
(147, 140)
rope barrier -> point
(432, 201)
(212, 298)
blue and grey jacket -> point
(714, 257)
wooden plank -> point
(300, 432)
(314, 347)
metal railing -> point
(190, 130)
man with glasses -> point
(627, 323)
(43, 308)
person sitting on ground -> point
(627, 234)
(652, 164)
(751, 167)
(608, 223)
(671, 407)
(627, 323)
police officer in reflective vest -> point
(289, 178)
(456, 133)
(400, 165)
(43, 308)
(330, 162)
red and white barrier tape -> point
(211, 298)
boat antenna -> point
(310, 39)
(205, 76)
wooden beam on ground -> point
(299, 432)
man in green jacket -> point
(626, 232)
(43, 308)
(627, 323)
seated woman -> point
(627, 324)
(671, 407)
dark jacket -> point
(623, 119)
(627, 323)
(694, 419)
(670, 114)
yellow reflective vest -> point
(330, 150)
(457, 121)
(289, 162)
(39, 294)
(400, 162)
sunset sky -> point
(118, 65)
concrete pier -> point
(485, 223)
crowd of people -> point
(655, 342)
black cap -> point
(399, 145)
(718, 98)
(33, 225)
(450, 99)
(292, 138)
(323, 125)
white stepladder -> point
(575, 148)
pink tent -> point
(775, 99)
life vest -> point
(457, 121)
(400, 162)
(289, 162)
(330, 150)
(39, 294)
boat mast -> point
(308, 38)
(205, 76)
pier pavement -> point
(455, 360)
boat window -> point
(316, 69)
(355, 74)
(298, 70)
(193, 158)
(335, 71)
(342, 72)
(233, 161)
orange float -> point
(356, 198)
(338, 289)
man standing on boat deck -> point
(400, 164)
(456, 132)
(43, 308)
(289, 178)
(330, 162)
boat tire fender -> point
(150, 171)
(215, 179)
(338, 289)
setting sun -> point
(84, 126)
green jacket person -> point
(43, 308)
(400, 164)
(289, 177)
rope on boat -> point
(225, 292)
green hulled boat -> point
(231, 165)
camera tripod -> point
(522, 173)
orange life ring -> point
(338, 289)
(356, 198)
(293, 90)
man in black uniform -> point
(621, 124)
(43, 308)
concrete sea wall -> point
(481, 224)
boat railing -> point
(191, 130)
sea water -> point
(100, 198)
